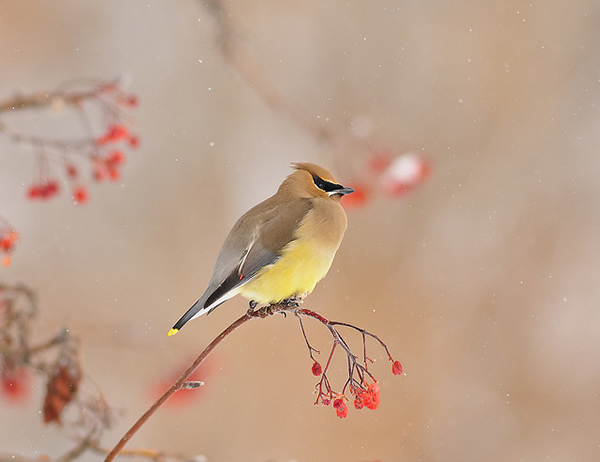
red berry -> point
(72, 171)
(397, 368)
(368, 398)
(46, 190)
(12, 236)
(340, 408)
(117, 132)
(51, 188)
(358, 401)
(6, 244)
(80, 195)
(14, 383)
(114, 173)
(380, 161)
(134, 142)
(371, 400)
(405, 173)
(358, 198)
(316, 369)
(114, 133)
(7, 241)
(99, 170)
(34, 192)
(115, 158)
(132, 101)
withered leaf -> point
(60, 391)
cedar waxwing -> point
(282, 247)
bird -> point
(281, 248)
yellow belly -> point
(295, 273)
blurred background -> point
(483, 281)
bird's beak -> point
(342, 191)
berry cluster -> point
(394, 175)
(365, 394)
(8, 239)
(361, 384)
(104, 154)
(15, 381)
(15, 311)
(54, 360)
(43, 190)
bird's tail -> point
(196, 310)
(205, 304)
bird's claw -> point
(291, 302)
(252, 305)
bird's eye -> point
(319, 182)
(325, 185)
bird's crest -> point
(314, 169)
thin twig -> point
(269, 310)
(365, 332)
(146, 453)
(330, 325)
(13, 457)
(237, 54)
(47, 98)
(58, 339)
(179, 382)
(75, 452)
(309, 346)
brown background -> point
(484, 281)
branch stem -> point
(177, 385)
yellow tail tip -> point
(173, 331)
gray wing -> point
(255, 241)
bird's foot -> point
(289, 304)
(292, 302)
(252, 306)
(273, 308)
(263, 311)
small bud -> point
(191, 384)
(72, 171)
(132, 101)
(133, 141)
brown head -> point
(310, 181)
